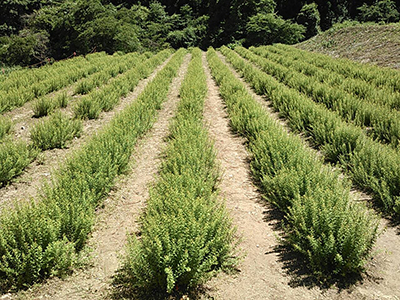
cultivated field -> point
(261, 173)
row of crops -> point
(373, 166)
(56, 130)
(382, 122)
(43, 238)
(186, 234)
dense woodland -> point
(34, 31)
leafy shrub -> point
(55, 131)
(23, 49)
(87, 108)
(62, 99)
(44, 257)
(84, 87)
(5, 126)
(42, 107)
(376, 171)
(14, 157)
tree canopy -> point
(32, 30)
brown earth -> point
(376, 44)
(118, 217)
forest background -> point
(38, 31)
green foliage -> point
(374, 75)
(371, 165)
(309, 17)
(334, 233)
(105, 98)
(86, 108)
(383, 123)
(55, 131)
(25, 85)
(269, 28)
(42, 107)
(186, 234)
(14, 157)
(27, 251)
(62, 99)
(67, 208)
(5, 126)
(381, 11)
(23, 49)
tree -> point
(309, 17)
(263, 29)
(24, 49)
(382, 11)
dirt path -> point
(285, 280)
(119, 216)
(29, 183)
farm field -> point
(141, 176)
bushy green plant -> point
(380, 77)
(383, 122)
(33, 247)
(62, 99)
(5, 126)
(55, 131)
(43, 107)
(87, 108)
(14, 157)
(381, 11)
(23, 86)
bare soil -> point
(29, 183)
(118, 217)
(375, 44)
(287, 277)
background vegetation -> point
(36, 31)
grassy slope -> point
(377, 44)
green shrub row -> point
(358, 88)
(54, 80)
(383, 123)
(105, 98)
(43, 238)
(118, 67)
(25, 77)
(186, 233)
(55, 131)
(371, 165)
(322, 222)
(5, 126)
(372, 74)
